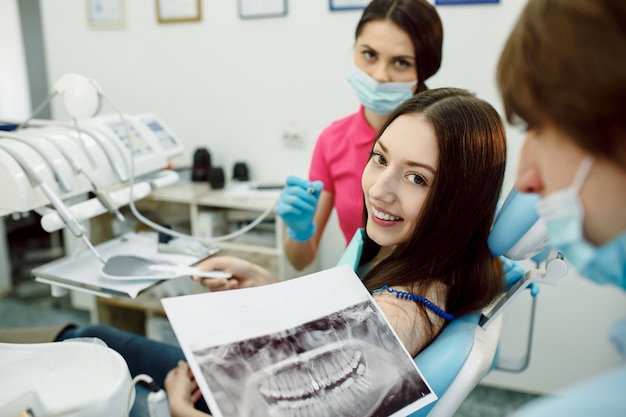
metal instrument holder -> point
(555, 269)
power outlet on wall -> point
(293, 136)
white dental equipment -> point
(49, 380)
(99, 147)
(50, 167)
(78, 155)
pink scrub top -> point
(340, 155)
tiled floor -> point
(32, 306)
(492, 402)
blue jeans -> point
(142, 355)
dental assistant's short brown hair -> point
(564, 65)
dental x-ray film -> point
(313, 346)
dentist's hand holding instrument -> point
(297, 205)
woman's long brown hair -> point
(449, 243)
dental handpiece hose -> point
(158, 406)
(75, 227)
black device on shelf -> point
(240, 171)
(201, 165)
(217, 178)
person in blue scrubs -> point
(562, 73)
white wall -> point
(225, 83)
(14, 92)
(235, 85)
(14, 100)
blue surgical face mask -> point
(563, 213)
(381, 98)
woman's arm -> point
(182, 392)
(414, 329)
(245, 274)
(301, 254)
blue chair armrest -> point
(441, 361)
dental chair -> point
(467, 349)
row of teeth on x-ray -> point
(322, 385)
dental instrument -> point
(131, 267)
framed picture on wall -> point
(348, 4)
(172, 11)
(253, 9)
(106, 14)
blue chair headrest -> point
(518, 233)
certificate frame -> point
(255, 9)
(106, 14)
(175, 11)
(335, 5)
(464, 2)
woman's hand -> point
(245, 274)
(182, 392)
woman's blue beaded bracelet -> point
(418, 299)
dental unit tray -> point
(82, 271)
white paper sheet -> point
(317, 342)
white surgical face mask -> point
(564, 214)
(381, 98)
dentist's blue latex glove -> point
(513, 272)
(297, 205)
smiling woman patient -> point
(430, 187)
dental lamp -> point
(81, 96)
